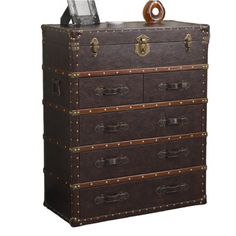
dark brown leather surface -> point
(121, 44)
(141, 195)
(155, 90)
(141, 124)
(68, 50)
(89, 95)
(57, 196)
(162, 54)
(145, 159)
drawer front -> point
(110, 91)
(125, 57)
(175, 86)
(133, 196)
(116, 162)
(112, 127)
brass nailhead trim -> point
(127, 107)
(139, 211)
(84, 74)
(137, 177)
(127, 143)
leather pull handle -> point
(171, 189)
(179, 121)
(103, 91)
(108, 199)
(183, 85)
(109, 162)
(56, 86)
(120, 127)
(173, 153)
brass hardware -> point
(188, 42)
(205, 39)
(142, 48)
(94, 45)
(73, 46)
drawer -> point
(139, 195)
(175, 86)
(112, 127)
(120, 162)
(110, 91)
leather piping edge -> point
(133, 178)
(128, 143)
(89, 74)
(133, 107)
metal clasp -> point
(94, 46)
(142, 48)
(188, 42)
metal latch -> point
(188, 42)
(94, 46)
(142, 48)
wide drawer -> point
(112, 127)
(118, 162)
(175, 86)
(139, 195)
(110, 91)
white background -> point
(21, 126)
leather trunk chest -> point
(124, 119)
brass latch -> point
(94, 46)
(188, 42)
(142, 48)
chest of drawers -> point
(124, 119)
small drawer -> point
(110, 91)
(118, 162)
(122, 198)
(175, 86)
(122, 126)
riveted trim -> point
(137, 71)
(130, 179)
(90, 74)
(133, 107)
(126, 143)
(158, 208)
(139, 106)
(59, 28)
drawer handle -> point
(107, 199)
(120, 127)
(180, 121)
(117, 161)
(103, 91)
(56, 87)
(174, 86)
(164, 190)
(173, 153)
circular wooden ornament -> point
(148, 14)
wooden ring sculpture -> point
(148, 14)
